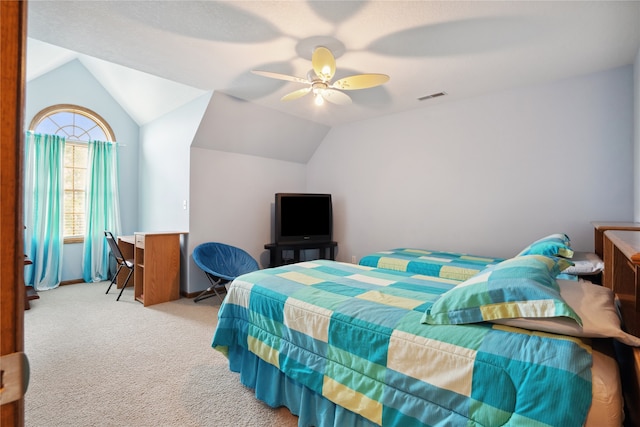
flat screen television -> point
(303, 217)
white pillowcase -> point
(585, 263)
(593, 303)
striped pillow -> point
(552, 245)
(523, 287)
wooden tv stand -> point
(275, 251)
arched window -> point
(78, 125)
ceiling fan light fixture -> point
(319, 83)
(326, 72)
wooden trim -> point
(190, 294)
(12, 291)
(71, 282)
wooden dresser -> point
(618, 244)
(621, 255)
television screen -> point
(303, 217)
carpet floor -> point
(98, 362)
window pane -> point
(68, 155)
(66, 131)
(74, 133)
(75, 181)
(62, 117)
(68, 224)
(80, 156)
(78, 202)
(68, 178)
(78, 220)
(80, 180)
(68, 199)
(83, 122)
(47, 127)
(97, 134)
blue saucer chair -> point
(221, 263)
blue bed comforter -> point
(450, 265)
(353, 335)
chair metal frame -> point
(120, 261)
(217, 279)
(216, 288)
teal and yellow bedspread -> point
(353, 335)
(450, 265)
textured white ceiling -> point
(173, 51)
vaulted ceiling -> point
(171, 52)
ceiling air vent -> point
(433, 95)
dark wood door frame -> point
(12, 72)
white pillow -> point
(585, 263)
(593, 303)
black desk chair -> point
(221, 263)
(120, 261)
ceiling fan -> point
(319, 83)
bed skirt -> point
(274, 388)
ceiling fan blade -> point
(296, 94)
(360, 81)
(336, 97)
(324, 64)
(280, 76)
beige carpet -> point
(98, 362)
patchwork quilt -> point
(450, 265)
(353, 335)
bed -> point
(461, 266)
(342, 344)
(449, 265)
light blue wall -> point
(72, 83)
(232, 193)
(164, 173)
(163, 169)
(486, 175)
(232, 198)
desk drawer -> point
(140, 241)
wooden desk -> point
(621, 255)
(156, 257)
